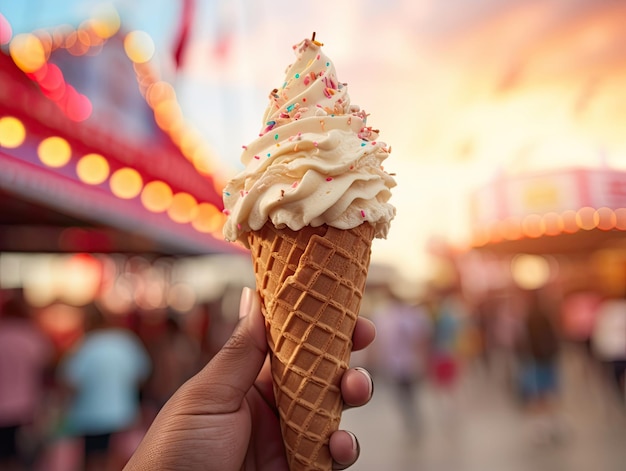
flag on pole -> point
(184, 31)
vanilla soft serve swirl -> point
(315, 162)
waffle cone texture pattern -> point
(311, 284)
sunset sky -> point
(461, 94)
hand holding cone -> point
(311, 284)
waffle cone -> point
(311, 284)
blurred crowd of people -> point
(516, 337)
(87, 403)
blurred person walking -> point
(508, 327)
(450, 317)
(403, 339)
(25, 355)
(103, 374)
(609, 342)
(539, 382)
(579, 310)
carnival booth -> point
(95, 153)
(106, 190)
(569, 210)
(573, 219)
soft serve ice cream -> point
(315, 162)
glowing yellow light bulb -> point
(27, 52)
(208, 218)
(530, 271)
(607, 219)
(92, 169)
(200, 159)
(139, 46)
(168, 115)
(158, 92)
(126, 183)
(54, 151)
(586, 218)
(106, 21)
(184, 208)
(12, 132)
(190, 140)
(157, 196)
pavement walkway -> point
(482, 428)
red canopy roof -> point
(50, 207)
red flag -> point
(186, 20)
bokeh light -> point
(27, 52)
(184, 208)
(126, 183)
(586, 218)
(158, 92)
(139, 46)
(181, 297)
(606, 219)
(50, 78)
(620, 219)
(532, 226)
(168, 115)
(81, 278)
(106, 21)
(157, 196)
(40, 279)
(76, 106)
(62, 322)
(200, 160)
(569, 221)
(5, 30)
(54, 151)
(530, 271)
(208, 218)
(552, 223)
(92, 169)
(12, 132)
(189, 141)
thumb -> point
(226, 379)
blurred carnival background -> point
(499, 295)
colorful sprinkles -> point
(326, 89)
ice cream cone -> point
(315, 171)
(311, 284)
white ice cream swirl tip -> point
(315, 161)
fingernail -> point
(356, 449)
(370, 381)
(245, 305)
(355, 444)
